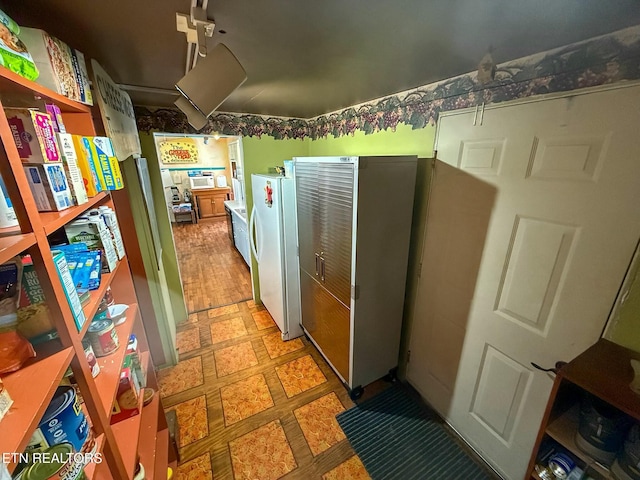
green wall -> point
(260, 156)
(404, 141)
(625, 324)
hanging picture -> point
(182, 150)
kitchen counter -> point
(238, 208)
(239, 228)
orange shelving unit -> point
(32, 387)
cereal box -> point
(85, 164)
(70, 160)
(94, 161)
(108, 163)
(33, 135)
(49, 186)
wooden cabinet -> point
(210, 202)
(33, 385)
(604, 371)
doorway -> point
(204, 194)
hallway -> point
(213, 272)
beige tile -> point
(185, 375)
(250, 304)
(318, 422)
(188, 340)
(245, 398)
(197, 469)
(192, 318)
(263, 320)
(218, 312)
(192, 419)
(263, 454)
(235, 358)
(227, 329)
(352, 469)
(300, 375)
(276, 347)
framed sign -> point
(117, 114)
(179, 151)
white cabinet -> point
(241, 235)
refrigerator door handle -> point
(322, 269)
(252, 230)
(317, 259)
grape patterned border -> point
(599, 61)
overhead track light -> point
(209, 84)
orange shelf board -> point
(90, 468)
(13, 245)
(147, 443)
(91, 307)
(29, 404)
(162, 456)
(127, 432)
(110, 366)
(52, 221)
(17, 91)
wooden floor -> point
(213, 272)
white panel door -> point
(532, 224)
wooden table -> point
(209, 202)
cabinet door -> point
(327, 321)
(218, 203)
(308, 217)
(205, 206)
(336, 188)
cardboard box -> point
(97, 237)
(85, 165)
(109, 217)
(33, 135)
(34, 318)
(82, 77)
(53, 60)
(69, 288)
(70, 160)
(94, 162)
(49, 185)
(126, 402)
(56, 118)
(108, 163)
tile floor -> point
(253, 407)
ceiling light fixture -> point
(197, 27)
(216, 136)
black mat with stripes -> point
(397, 437)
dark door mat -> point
(398, 437)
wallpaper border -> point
(602, 60)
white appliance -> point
(274, 242)
(202, 182)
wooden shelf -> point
(110, 366)
(11, 246)
(91, 307)
(52, 221)
(31, 389)
(127, 432)
(90, 468)
(592, 371)
(162, 456)
(563, 430)
(17, 91)
(148, 443)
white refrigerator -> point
(274, 242)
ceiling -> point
(307, 58)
